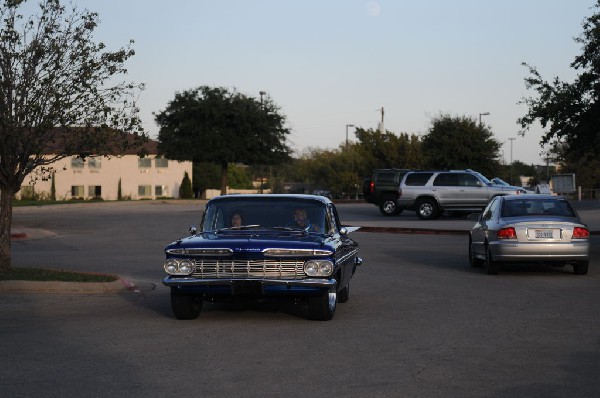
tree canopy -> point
(58, 89)
(460, 143)
(214, 124)
(569, 113)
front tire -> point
(388, 207)
(185, 306)
(344, 294)
(322, 307)
(474, 261)
(581, 268)
(427, 209)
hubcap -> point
(426, 210)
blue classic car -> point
(254, 246)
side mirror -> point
(474, 216)
(343, 231)
(193, 230)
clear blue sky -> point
(329, 63)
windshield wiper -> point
(240, 228)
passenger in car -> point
(237, 219)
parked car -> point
(322, 192)
(430, 193)
(529, 228)
(255, 246)
(381, 189)
(499, 181)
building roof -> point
(83, 140)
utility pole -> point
(511, 159)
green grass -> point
(39, 274)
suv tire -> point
(427, 209)
(388, 207)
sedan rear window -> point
(537, 207)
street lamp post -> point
(262, 93)
(348, 125)
(482, 114)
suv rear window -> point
(385, 177)
(417, 179)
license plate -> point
(544, 233)
(243, 288)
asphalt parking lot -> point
(420, 321)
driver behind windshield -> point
(301, 221)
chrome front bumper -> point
(250, 286)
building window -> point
(144, 163)
(145, 191)
(161, 190)
(77, 163)
(161, 163)
(77, 191)
(94, 162)
(95, 191)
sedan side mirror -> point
(193, 230)
(474, 216)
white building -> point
(148, 177)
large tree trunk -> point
(5, 226)
(224, 178)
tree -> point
(57, 88)
(387, 150)
(185, 190)
(213, 124)
(570, 112)
(461, 143)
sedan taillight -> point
(507, 233)
(580, 233)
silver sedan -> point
(526, 229)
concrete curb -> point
(57, 287)
(418, 231)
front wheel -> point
(322, 307)
(344, 294)
(389, 207)
(185, 306)
(474, 261)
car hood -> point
(253, 242)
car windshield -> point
(499, 181)
(482, 178)
(237, 213)
(537, 207)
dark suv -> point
(430, 193)
(381, 189)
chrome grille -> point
(268, 268)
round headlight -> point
(325, 268)
(186, 267)
(318, 268)
(311, 268)
(170, 266)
